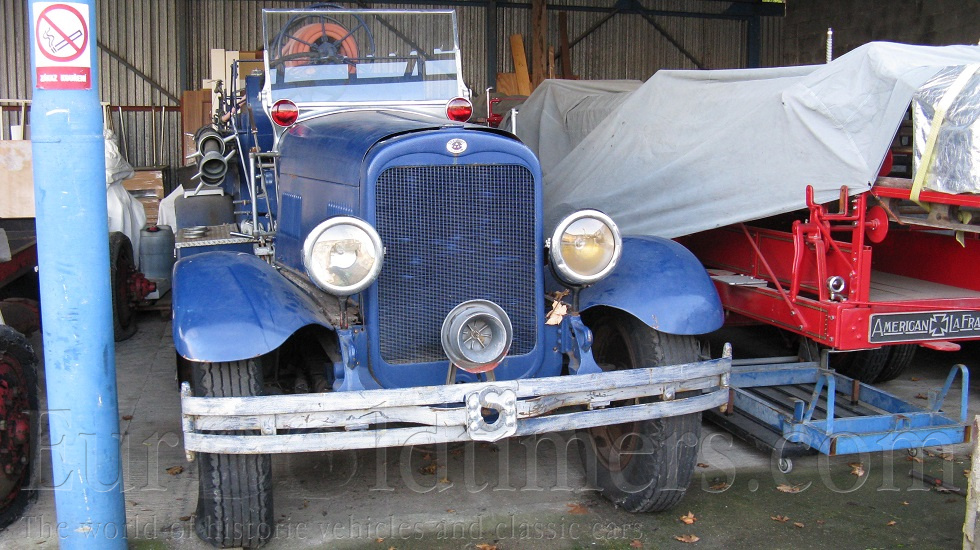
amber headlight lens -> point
(343, 255)
(585, 247)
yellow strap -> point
(965, 216)
(925, 164)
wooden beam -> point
(520, 64)
(566, 54)
(539, 41)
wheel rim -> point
(15, 438)
(614, 443)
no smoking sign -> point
(62, 46)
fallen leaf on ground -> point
(577, 509)
(914, 459)
(426, 456)
(820, 522)
(174, 470)
(636, 544)
(689, 518)
(921, 396)
(456, 452)
(948, 457)
(905, 503)
(445, 481)
(450, 511)
(890, 523)
(780, 518)
(687, 538)
(127, 417)
(857, 469)
(798, 525)
(784, 488)
(379, 540)
(915, 379)
(184, 518)
(719, 486)
(428, 470)
(486, 546)
(702, 465)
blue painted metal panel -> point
(661, 283)
(314, 201)
(331, 147)
(266, 135)
(229, 307)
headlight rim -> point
(373, 236)
(558, 263)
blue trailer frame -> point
(840, 416)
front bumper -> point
(439, 414)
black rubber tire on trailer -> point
(18, 368)
(864, 365)
(899, 360)
(651, 466)
(234, 504)
(121, 266)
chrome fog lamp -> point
(476, 335)
(585, 247)
(343, 255)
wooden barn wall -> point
(152, 50)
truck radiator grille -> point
(452, 234)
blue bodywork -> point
(329, 165)
(230, 306)
(661, 283)
(471, 231)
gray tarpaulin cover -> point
(694, 150)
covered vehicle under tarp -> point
(690, 151)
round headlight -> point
(343, 255)
(585, 247)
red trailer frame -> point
(861, 278)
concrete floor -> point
(520, 493)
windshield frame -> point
(453, 88)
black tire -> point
(651, 466)
(18, 372)
(864, 366)
(234, 504)
(121, 267)
(899, 360)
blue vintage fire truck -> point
(358, 268)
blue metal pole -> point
(73, 261)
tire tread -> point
(234, 507)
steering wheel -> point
(321, 36)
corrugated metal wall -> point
(151, 50)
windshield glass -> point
(361, 56)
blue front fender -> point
(661, 283)
(231, 306)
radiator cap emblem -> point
(456, 146)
